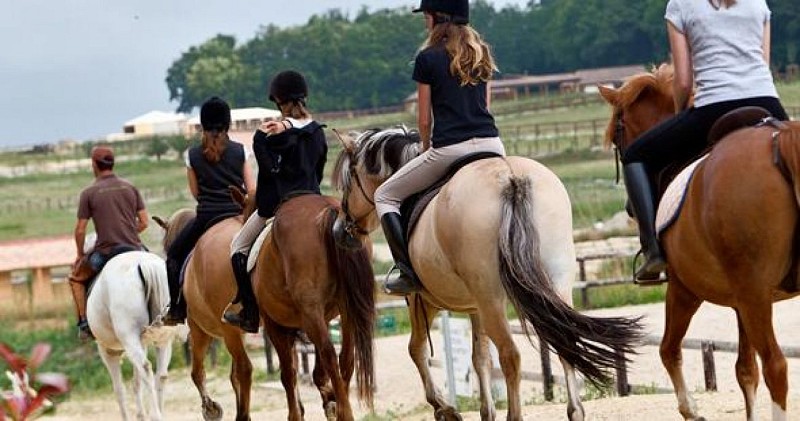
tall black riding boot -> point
(247, 317)
(177, 305)
(407, 282)
(641, 199)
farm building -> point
(156, 123)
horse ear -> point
(347, 142)
(609, 94)
(162, 223)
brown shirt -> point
(112, 204)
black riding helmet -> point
(288, 86)
(215, 114)
(457, 10)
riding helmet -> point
(215, 114)
(288, 86)
(458, 10)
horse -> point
(499, 230)
(208, 286)
(124, 311)
(735, 240)
(302, 281)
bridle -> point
(351, 223)
(619, 133)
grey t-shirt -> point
(726, 48)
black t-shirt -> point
(213, 179)
(459, 112)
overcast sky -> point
(78, 69)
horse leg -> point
(199, 342)
(746, 368)
(241, 374)
(317, 330)
(322, 381)
(143, 376)
(496, 326)
(422, 315)
(163, 357)
(482, 362)
(756, 316)
(680, 306)
(347, 356)
(575, 411)
(113, 362)
(283, 342)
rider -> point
(118, 213)
(291, 154)
(452, 70)
(723, 46)
(211, 168)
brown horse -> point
(302, 281)
(208, 287)
(735, 241)
(500, 230)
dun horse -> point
(735, 241)
(124, 310)
(500, 230)
(208, 287)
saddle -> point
(411, 208)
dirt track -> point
(399, 394)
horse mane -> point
(380, 152)
(177, 221)
(659, 80)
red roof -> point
(36, 253)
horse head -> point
(641, 102)
(174, 225)
(364, 164)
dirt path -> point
(399, 394)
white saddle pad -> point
(670, 206)
(253, 256)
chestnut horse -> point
(208, 286)
(500, 230)
(303, 280)
(735, 241)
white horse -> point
(124, 312)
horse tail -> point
(153, 275)
(356, 295)
(589, 344)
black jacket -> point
(290, 161)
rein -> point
(350, 223)
(619, 132)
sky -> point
(79, 69)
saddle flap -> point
(671, 202)
(256, 247)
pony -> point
(302, 281)
(124, 312)
(735, 240)
(499, 231)
(208, 286)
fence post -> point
(623, 388)
(709, 369)
(547, 371)
(584, 289)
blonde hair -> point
(214, 145)
(471, 58)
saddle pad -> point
(253, 256)
(670, 206)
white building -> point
(156, 123)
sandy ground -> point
(399, 394)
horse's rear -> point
(302, 281)
(126, 302)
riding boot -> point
(177, 304)
(246, 318)
(641, 199)
(407, 282)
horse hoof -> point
(330, 410)
(212, 411)
(447, 414)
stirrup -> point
(84, 332)
(172, 319)
(402, 285)
(241, 321)
(652, 276)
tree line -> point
(366, 61)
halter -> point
(351, 223)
